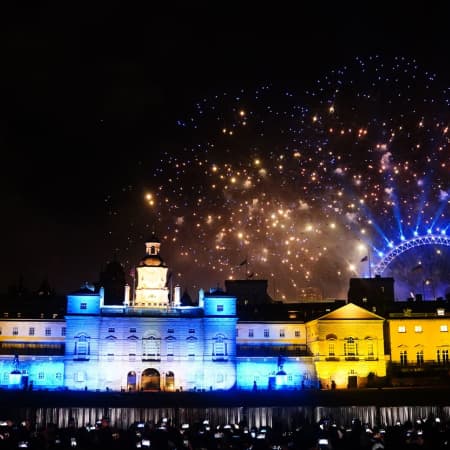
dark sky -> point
(90, 94)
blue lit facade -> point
(32, 353)
(147, 340)
(150, 342)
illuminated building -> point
(419, 344)
(274, 355)
(147, 339)
(347, 345)
(148, 343)
(32, 352)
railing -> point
(427, 368)
(347, 358)
(272, 350)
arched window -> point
(419, 357)
(150, 380)
(403, 357)
(170, 381)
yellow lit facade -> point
(419, 339)
(347, 346)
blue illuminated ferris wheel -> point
(429, 239)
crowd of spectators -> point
(430, 434)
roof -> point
(85, 290)
(351, 311)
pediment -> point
(350, 311)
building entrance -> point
(150, 380)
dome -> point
(152, 261)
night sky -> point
(101, 106)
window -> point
(63, 331)
(58, 375)
(80, 377)
(170, 331)
(444, 328)
(5, 377)
(15, 331)
(266, 332)
(219, 308)
(0, 330)
(132, 330)
(403, 357)
(82, 347)
(220, 348)
(151, 348)
(83, 305)
(250, 332)
(350, 347)
(438, 356)
(418, 329)
(440, 312)
(401, 329)
(331, 350)
(169, 350)
(111, 330)
(191, 350)
(297, 333)
(369, 349)
(48, 331)
(191, 331)
(131, 356)
(419, 357)
(31, 331)
(282, 333)
(445, 356)
(41, 375)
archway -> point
(170, 381)
(150, 380)
(131, 381)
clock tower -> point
(151, 273)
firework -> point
(301, 183)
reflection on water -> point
(288, 417)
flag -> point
(418, 267)
(365, 258)
(243, 262)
